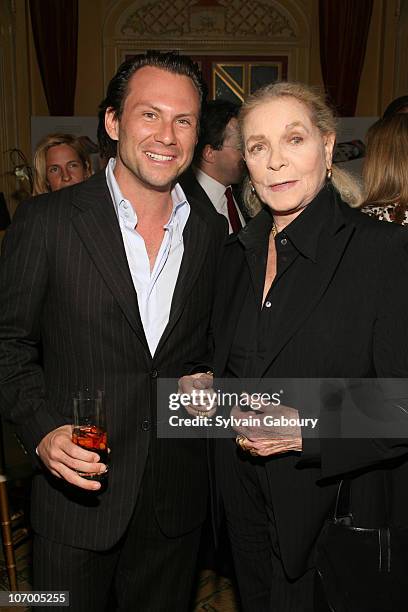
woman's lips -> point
(283, 186)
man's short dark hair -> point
(118, 87)
(396, 106)
(215, 118)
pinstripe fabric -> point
(163, 561)
(126, 576)
(65, 283)
(75, 570)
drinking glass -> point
(89, 429)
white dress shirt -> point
(154, 288)
(216, 192)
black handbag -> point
(362, 569)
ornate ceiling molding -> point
(210, 19)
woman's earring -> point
(329, 173)
(252, 188)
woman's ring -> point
(241, 441)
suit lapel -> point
(308, 286)
(231, 295)
(193, 189)
(95, 221)
(196, 237)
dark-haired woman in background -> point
(385, 170)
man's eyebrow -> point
(149, 106)
(187, 114)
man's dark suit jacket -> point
(66, 288)
(345, 314)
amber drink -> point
(89, 429)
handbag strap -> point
(343, 508)
(388, 496)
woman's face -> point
(286, 155)
(64, 167)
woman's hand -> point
(272, 436)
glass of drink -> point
(89, 429)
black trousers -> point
(145, 571)
(262, 583)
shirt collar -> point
(113, 186)
(181, 207)
(303, 232)
(180, 212)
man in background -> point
(218, 163)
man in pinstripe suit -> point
(109, 284)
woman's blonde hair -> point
(385, 169)
(322, 117)
(40, 158)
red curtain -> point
(55, 31)
(344, 26)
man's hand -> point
(200, 388)
(268, 439)
(64, 458)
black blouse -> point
(257, 325)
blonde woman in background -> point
(385, 170)
(60, 160)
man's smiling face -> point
(157, 131)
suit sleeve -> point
(390, 357)
(23, 288)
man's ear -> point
(111, 123)
(208, 154)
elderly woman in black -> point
(310, 289)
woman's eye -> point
(256, 148)
(296, 139)
(53, 169)
(184, 121)
(74, 165)
(149, 115)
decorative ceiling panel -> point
(231, 19)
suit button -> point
(145, 426)
(154, 374)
